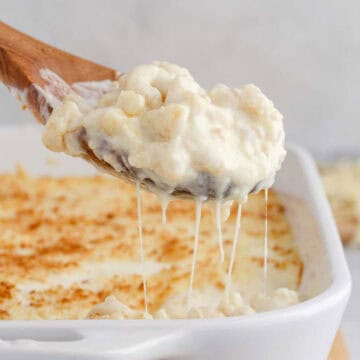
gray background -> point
(304, 55)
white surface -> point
(311, 324)
(303, 54)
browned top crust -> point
(64, 244)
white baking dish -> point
(303, 331)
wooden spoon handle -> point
(22, 57)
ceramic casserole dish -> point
(303, 331)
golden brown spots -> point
(5, 290)
(4, 315)
(282, 251)
(51, 229)
(280, 265)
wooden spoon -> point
(21, 60)
(22, 57)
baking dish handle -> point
(95, 344)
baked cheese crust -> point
(68, 243)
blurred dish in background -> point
(342, 185)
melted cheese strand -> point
(164, 205)
(141, 245)
(196, 243)
(233, 250)
(266, 247)
(219, 230)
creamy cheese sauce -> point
(205, 304)
(157, 124)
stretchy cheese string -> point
(219, 230)
(141, 244)
(196, 243)
(233, 251)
